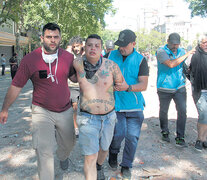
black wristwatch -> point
(129, 89)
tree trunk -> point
(17, 35)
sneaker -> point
(165, 136)
(100, 174)
(204, 144)
(180, 142)
(64, 164)
(113, 160)
(126, 173)
(199, 145)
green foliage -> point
(198, 7)
(75, 17)
(80, 17)
(108, 35)
(150, 41)
(145, 41)
(9, 10)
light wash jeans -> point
(201, 105)
(95, 131)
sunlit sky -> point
(130, 13)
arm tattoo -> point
(82, 74)
(112, 67)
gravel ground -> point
(154, 159)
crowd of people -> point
(102, 103)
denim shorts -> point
(95, 131)
(202, 108)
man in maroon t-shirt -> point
(48, 68)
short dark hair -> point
(2, 54)
(50, 26)
(94, 36)
(76, 39)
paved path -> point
(154, 159)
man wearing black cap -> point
(171, 85)
(129, 102)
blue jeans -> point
(128, 126)
(200, 99)
(179, 98)
(95, 131)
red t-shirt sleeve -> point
(22, 75)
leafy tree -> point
(150, 41)
(144, 42)
(108, 35)
(75, 17)
(12, 10)
(9, 10)
(198, 7)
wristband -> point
(129, 89)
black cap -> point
(125, 37)
(174, 38)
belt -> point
(81, 110)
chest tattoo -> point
(103, 74)
(93, 80)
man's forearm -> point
(175, 62)
(179, 60)
(141, 86)
(10, 97)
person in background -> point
(129, 102)
(3, 64)
(147, 55)
(171, 85)
(49, 68)
(77, 49)
(69, 46)
(109, 47)
(96, 116)
(198, 78)
(13, 65)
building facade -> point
(8, 40)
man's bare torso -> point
(97, 93)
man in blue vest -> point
(129, 102)
(171, 85)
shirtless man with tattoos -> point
(96, 118)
